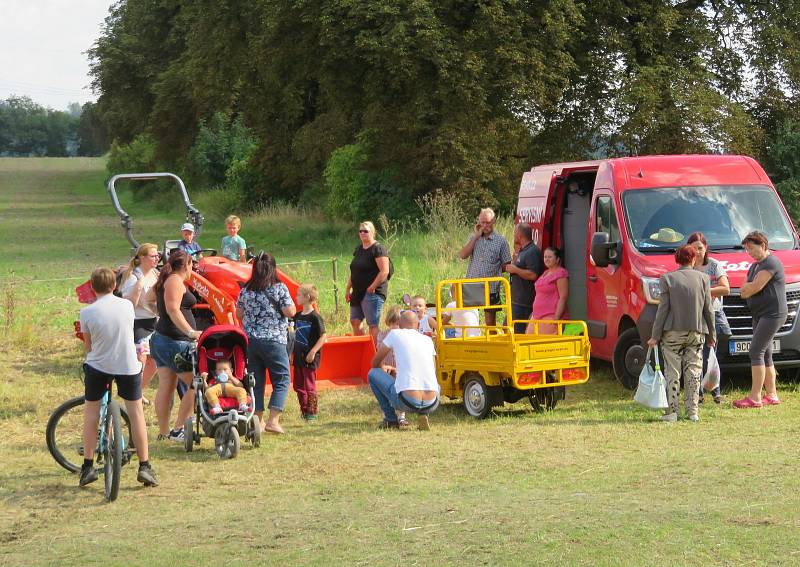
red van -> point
(619, 221)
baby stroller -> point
(222, 342)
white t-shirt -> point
(468, 318)
(109, 322)
(413, 354)
(142, 309)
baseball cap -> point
(187, 226)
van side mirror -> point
(604, 252)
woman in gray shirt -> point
(765, 292)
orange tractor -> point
(216, 282)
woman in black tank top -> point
(165, 325)
(174, 334)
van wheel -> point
(629, 356)
(476, 397)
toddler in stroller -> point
(225, 410)
(226, 385)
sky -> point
(43, 47)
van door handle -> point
(592, 278)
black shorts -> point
(129, 387)
(143, 328)
(494, 299)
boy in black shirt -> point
(309, 336)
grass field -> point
(595, 482)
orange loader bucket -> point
(345, 361)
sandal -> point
(746, 403)
(770, 400)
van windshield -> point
(660, 220)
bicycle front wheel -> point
(112, 448)
(64, 433)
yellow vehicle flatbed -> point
(487, 366)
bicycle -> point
(64, 435)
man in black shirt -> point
(525, 268)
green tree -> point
(459, 95)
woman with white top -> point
(137, 287)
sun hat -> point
(667, 235)
(187, 226)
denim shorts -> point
(163, 350)
(370, 309)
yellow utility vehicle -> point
(487, 366)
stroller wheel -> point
(226, 441)
(255, 434)
(188, 434)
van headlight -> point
(652, 290)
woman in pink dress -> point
(552, 291)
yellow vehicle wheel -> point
(477, 397)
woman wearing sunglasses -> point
(368, 282)
(137, 287)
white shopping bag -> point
(652, 389)
(711, 378)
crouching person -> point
(107, 326)
(411, 386)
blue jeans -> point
(382, 385)
(519, 311)
(263, 355)
(370, 309)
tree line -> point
(28, 129)
(360, 105)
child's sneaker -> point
(243, 408)
(215, 410)
(88, 476)
(147, 475)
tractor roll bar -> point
(192, 214)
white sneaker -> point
(694, 417)
(177, 436)
(670, 417)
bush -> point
(139, 157)
(355, 192)
(219, 202)
(136, 157)
(240, 180)
(220, 144)
(784, 156)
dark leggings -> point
(764, 329)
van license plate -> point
(743, 347)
